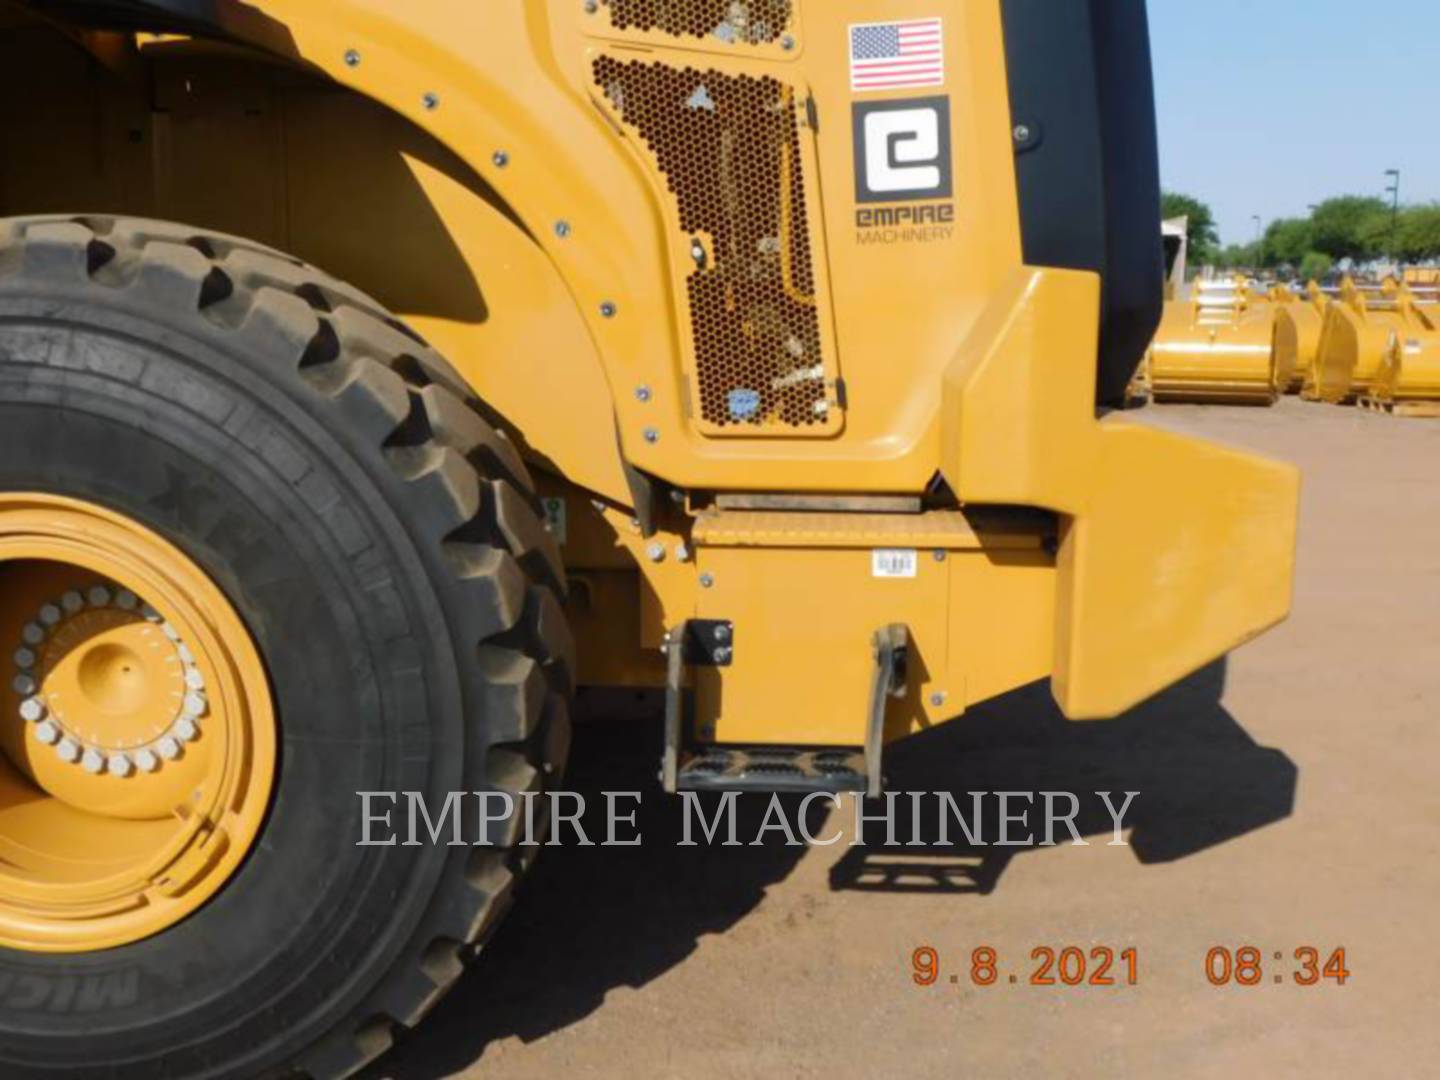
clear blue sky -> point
(1268, 105)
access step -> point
(771, 768)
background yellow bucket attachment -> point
(1358, 329)
(1298, 322)
(1408, 380)
(1214, 347)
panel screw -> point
(352, 58)
(500, 158)
(938, 698)
(787, 43)
(431, 101)
(707, 580)
(562, 229)
(723, 654)
(656, 552)
(1022, 133)
(591, 7)
(652, 436)
(939, 555)
(642, 393)
(608, 309)
(722, 632)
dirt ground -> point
(1289, 799)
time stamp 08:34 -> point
(1102, 965)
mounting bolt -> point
(592, 6)
(788, 43)
(652, 436)
(562, 229)
(431, 101)
(707, 580)
(937, 699)
(1021, 133)
(722, 632)
(608, 309)
(939, 555)
(352, 58)
(682, 553)
(723, 654)
(500, 158)
(655, 552)
(642, 393)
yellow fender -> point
(1173, 550)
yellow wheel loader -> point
(372, 374)
(1215, 347)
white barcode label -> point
(893, 562)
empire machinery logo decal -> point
(904, 166)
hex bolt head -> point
(655, 552)
(592, 6)
(1021, 133)
(47, 733)
(682, 553)
(938, 698)
(92, 762)
(788, 43)
(707, 580)
(652, 436)
(431, 101)
(68, 751)
(352, 58)
(32, 710)
(722, 632)
(940, 555)
(723, 654)
(50, 614)
(500, 159)
(642, 394)
(562, 229)
(119, 765)
(72, 601)
(608, 309)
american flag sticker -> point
(897, 55)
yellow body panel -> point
(1172, 548)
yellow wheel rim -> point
(137, 732)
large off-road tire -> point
(383, 545)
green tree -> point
(1287, 241)
(1418, 233)
(1238, 257)
(1314, 266)
(1351, 227)
(1201, 231)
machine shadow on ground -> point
(592, 919)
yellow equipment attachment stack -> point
(1408, 380)
(1358, 329)
(1298, 323)
(1214, 347)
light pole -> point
(1393, 175)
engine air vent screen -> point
(729, 149)
(753, 22)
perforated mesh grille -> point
(729, 147)
(756, 22)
